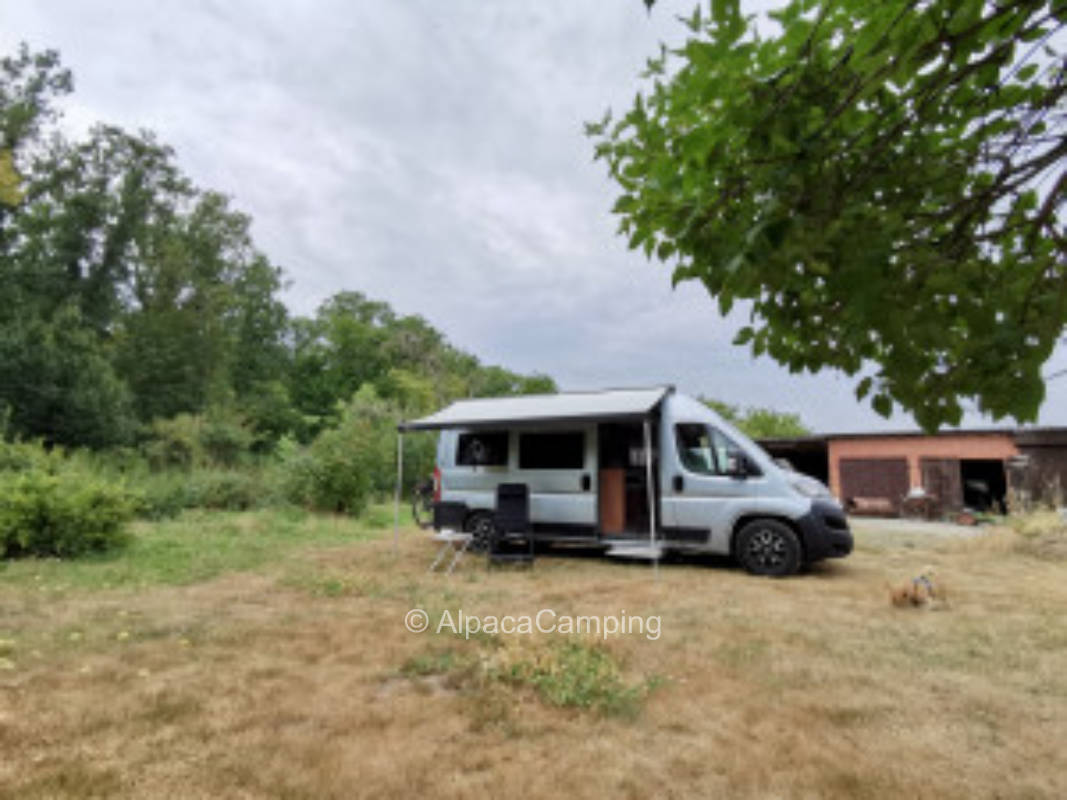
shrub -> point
(175, 442)
(225, 440)
(21, 456)
(1041, 534)
(333, 474)
(61, 513)
(220, 439)
(344, 465)
(166, 494)
(225, 490)
(269, 415)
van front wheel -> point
(480, 526)
(768, 547)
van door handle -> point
(586, 483)
(679, 483)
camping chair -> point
(511, 523)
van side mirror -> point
(737, 465)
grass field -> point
(265, 655)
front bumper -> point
(825, 531)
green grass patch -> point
(193, 547)
(567, 674)
(438, 663)
(579, 675)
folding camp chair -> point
(511, 538)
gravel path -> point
(915, 527)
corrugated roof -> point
(1028, 434)
(542, 408)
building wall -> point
(1045, 477)
(914, 448)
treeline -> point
(758, 422)
(132, 298)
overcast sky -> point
(431, 154)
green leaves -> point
(863, 388)
(57, 379)
(53, 509)
(10, 193)
(883, 404)
(866, 179)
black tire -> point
(769, 547)
(480, 525)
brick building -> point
(962, 468)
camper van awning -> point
(615, 404)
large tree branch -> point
(1046, 214)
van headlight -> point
(809, 487)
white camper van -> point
(636, 470)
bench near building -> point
(873, 473)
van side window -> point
(694, 448)
(552, 450)
(708, 451)
(482, 449)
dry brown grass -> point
(287, 683)
(1042, 534)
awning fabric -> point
(614, 404)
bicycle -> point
(422, 504)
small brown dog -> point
(923, 591)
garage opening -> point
(985, 485)
(808, 455)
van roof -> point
(611, 404)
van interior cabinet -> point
(612, 500)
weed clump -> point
(1041, 535)
(565, 674)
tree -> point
(880, 181)
(354, 342)
(759, 423)
(131, 295)
(162, 276)
(337, 352)
(57, 380)
(204, 325)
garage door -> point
(874, 478)
(942, 479)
